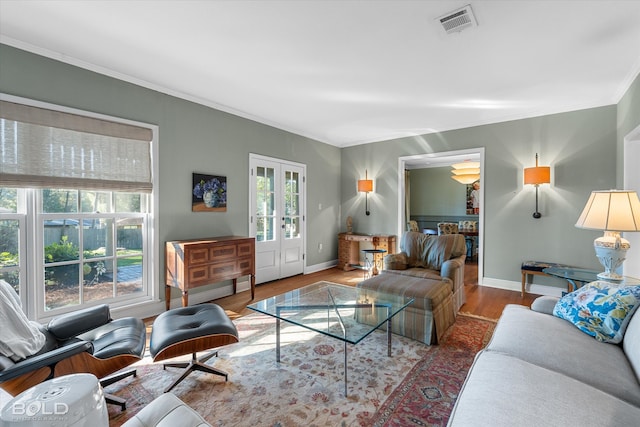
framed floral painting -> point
(208, 193)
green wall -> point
(433, 192)
(628, 118)
(192, 138)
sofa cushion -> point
(501, 390)
(428, 251)
(422, 273)
(600, 309)
(557, 345)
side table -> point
(371, 264)
(578, 277)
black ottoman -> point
(191, 329)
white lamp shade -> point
(466, 179)
(613, 210)
(469, 171)
(466, 165)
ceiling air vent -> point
(458, 20)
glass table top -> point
(584, 275)
(343, 312)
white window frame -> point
(31, 255)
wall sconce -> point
(536, 176)
(365, 186)
(466, 172)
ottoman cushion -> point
(181, 324)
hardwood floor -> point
(481, 300)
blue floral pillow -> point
(600, 309)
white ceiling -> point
(348, 72)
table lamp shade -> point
(611, 211)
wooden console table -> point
(349, 247)
(198, 262)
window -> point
(75, 209)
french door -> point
(277, 216)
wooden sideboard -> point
(198, 262)
(349, 247)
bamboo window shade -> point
(44, 148)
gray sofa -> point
(431, 257)
(540, 370)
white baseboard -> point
(517, 286)
(320, 267)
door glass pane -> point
(265, 204)
(260, 230)
(291, 204)
(261, 204)
(295, 228)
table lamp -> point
(612, 211)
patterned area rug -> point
(416, 386)
(426, 396)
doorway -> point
(444, 158)
(276, 216)
(631, 153)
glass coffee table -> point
(342, 312)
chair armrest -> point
(451, 267)
(75, 323)
(544, 304)
(43, 360)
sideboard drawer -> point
(198, 275)
(223, 252)
(198, 255)
(221, 271)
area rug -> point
(416, 386)
(427, 394)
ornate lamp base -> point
(611, 250)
